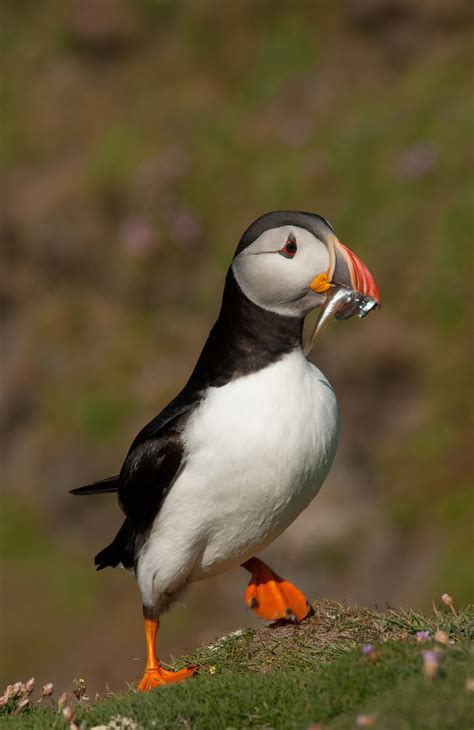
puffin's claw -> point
(154, 677)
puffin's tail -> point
(105, 486)
(120, 551)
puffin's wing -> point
(154, 461)
(155, 435)
(147, 475)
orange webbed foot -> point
(272, 597)
(154, 677)
(155, 674)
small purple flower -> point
(422, 635)
(430, 657)
(431, 661)
(367, 649)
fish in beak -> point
(348, 286)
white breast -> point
(258, 451)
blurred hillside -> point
(139, 139)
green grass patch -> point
(288, 676)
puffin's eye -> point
(290, 248)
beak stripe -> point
(362, 279)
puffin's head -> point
(290, 263)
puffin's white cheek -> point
(277, 285)
(261, 279)
(282, 284)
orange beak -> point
(361, 278)
(348, 286)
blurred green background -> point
(139, 139)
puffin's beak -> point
(351, 272)
(348, 286)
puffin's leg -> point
(272, 597)
(155, 674)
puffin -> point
(245, 446)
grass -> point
(286, 676)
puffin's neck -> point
(245, 338)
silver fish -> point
(341, 303)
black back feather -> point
(104, 486)
(122, 549)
